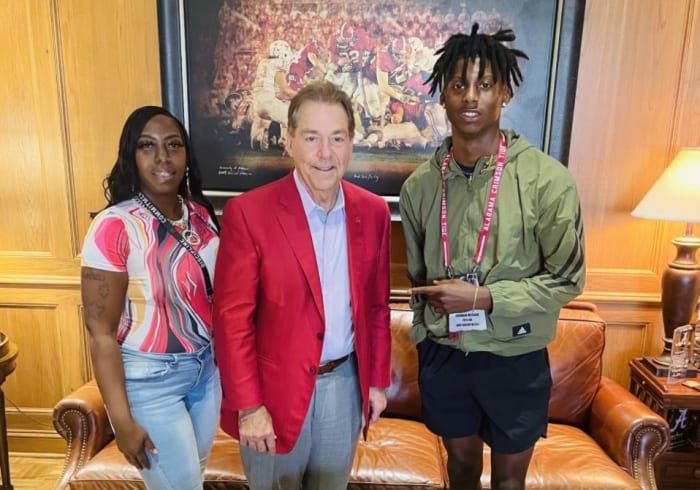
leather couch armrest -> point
(81, 419)
(629, 431)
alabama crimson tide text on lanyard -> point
(472, 319)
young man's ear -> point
(506, 99)
(508, 95)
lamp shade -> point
(676, 194)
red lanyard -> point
(488, 213)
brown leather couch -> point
(599, 436)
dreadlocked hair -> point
(488, 48)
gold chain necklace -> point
(183, 221)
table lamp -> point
(676, 197)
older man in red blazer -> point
(301, 318)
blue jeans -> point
(176, 399)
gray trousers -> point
(323, 455)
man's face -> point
(321, 146)
(473, 105)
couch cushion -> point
(403, 397)
(402, 454)
(398, 454)
(109, 470)
(568, 459)
(576, 361)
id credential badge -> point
(468, 320)
(472, 319)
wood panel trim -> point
(49, 444)
(39, 268)
(627, 299)
(29, 420)
(76, 239)
(42, 281)
(684, 131)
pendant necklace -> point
(188, 233)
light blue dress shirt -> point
(329, 236)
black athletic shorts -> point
(504, 400)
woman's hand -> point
(133, 441)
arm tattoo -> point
(96, 307)
(92, 274)
(94, 310)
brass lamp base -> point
(680, 287)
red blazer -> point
(268, 308)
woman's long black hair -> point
(123, 183)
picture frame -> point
(211, 52)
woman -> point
(147, 270)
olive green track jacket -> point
(534, 260)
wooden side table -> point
(679, 467)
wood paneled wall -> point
(78, 67)
(72, 71)
(636, 105)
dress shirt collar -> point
(310, 207)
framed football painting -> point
(230, 67)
